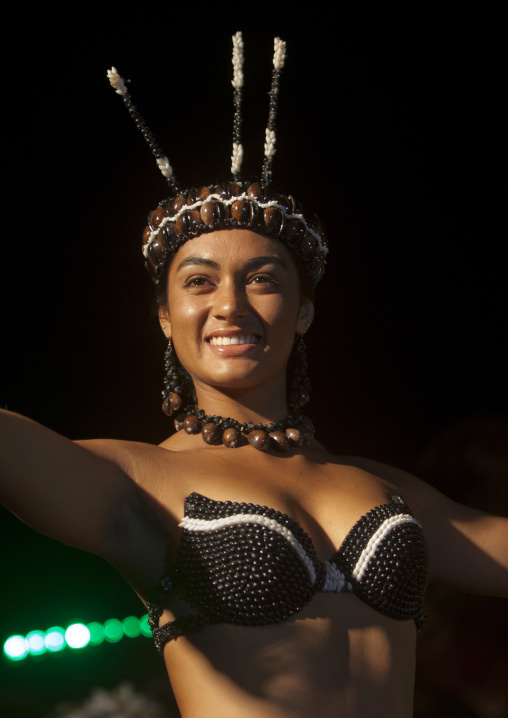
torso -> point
(337, 656)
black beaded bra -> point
(251, 565)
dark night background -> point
(395, 134)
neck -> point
(257, 405)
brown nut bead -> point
(255, 190)
(158, 216)
(232, 439)
(192, 196)
(259, 440)
(156, 252)
(211, 434)
(178, 203)
(295, 436)
(166, 406)
(175, 400)
(212, 213)
(187, 223)
(274, 220)
(146, 234)
(162, 237)
(234, 189)
(178, 421)
(279, 441)
(191, 425)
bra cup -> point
(252, 565)
(391, 574)
(245, 574)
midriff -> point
(337, 657)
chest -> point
(253, 565)
(324, 499)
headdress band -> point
(238, 203)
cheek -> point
(185, 312)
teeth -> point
(229, 341)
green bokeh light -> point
(35, 641)
(96, 633)
(16, 648)
(54, 640)
(131, 627)
(113, 630)
(78, 635)
(145, 628)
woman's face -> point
(234, 306)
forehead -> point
(234, 246)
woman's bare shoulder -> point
(148, 465)
(413, 490)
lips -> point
(226, 341)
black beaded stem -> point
(140, 123)
(266, 172)
(237, 124)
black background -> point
(393, 130)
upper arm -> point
(468, 549)
(57, 487)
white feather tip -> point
(279, 53)
(116, 81)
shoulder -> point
(153, 470)
(418, 494)
(131, 456)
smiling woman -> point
(281, 580)
(218, 297)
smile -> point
(231, 341)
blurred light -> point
(54, 640)
(131, 627)
(35, 642)
(96, 633)
(145, 628)
(77, 635)
(113, 630)
(16, 648)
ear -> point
(165, 321)
(305, 316)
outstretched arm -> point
(468, 548)
(57, 487)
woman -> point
(340, 637)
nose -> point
(230, 301)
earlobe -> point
(305, 316)
(165, 321)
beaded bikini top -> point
(252, 565)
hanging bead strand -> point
(279, 57)
(118, 84)
(237, 82)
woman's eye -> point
(262, 279)
(196, 282)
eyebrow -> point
(253, 263)
(198, 260)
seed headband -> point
(237, 203)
